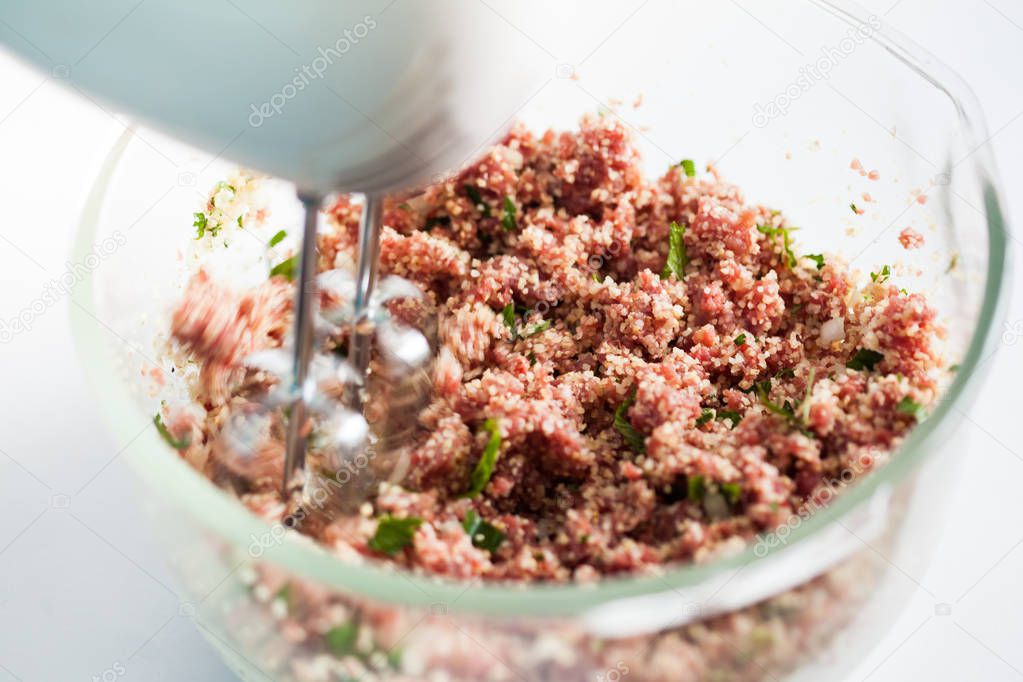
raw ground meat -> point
(645, 416)
(911, 239)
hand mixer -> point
(353, 96)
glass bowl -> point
(780, 99)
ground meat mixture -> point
(630, 373)
(911, 239)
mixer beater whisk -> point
(354, 411)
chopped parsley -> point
(712, 501)
(732, 492)
(484, 535)
(881, 276)
(909, 406)
(740, 340)
(239, 221)
(508, 315)
(952, 263)
(865, 359)
(786, 240)
(341, 640)
(688, 167)
(731, 415)
(817, 258)
(485, 467)
(677, 257)
(477, 199)
(633, 438)
(177, 444)
(394, 534)
(200, 224)
(786, 410)
(696, 489)
(709, 414)
(405, 207)
(286, 269)
(595, 276)
(277, 238)
(216, 190)
(953, 368)
(508, 215)
(854, 209)
(539, 328)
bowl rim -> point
(215, 510)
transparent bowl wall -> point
(780, 99)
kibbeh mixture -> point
(629, 372)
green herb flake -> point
(865, 360)
(595, 276)
(881, 276)
(394, 534)
(508, 315)
(909, 407)
(485, 467)
(817, 258)
(161, 428)
(277, 238)
(633, 438)
(484, 535)
(731, 415)
(216, 190)
(539, 328)
(786, 410)
(477, 199)
(705, 416)
(405, 207)
(740, 340)
(732, 492)
(341, 640)
(952, 263)
(286, 269)
(953, 368)
(239, 221)
(508, 215)
(785, 233)
(677, 257)
(854, 209)
(199, 224)
(696, 489)
(688, 167)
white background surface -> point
(81, 582)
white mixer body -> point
(348, 95)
